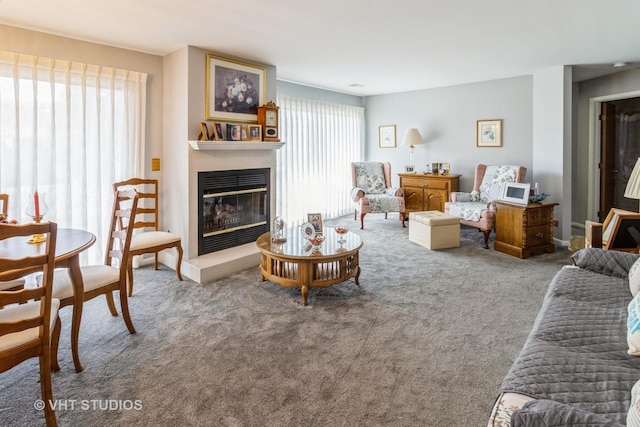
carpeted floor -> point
(424, 341)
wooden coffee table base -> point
(311, 271)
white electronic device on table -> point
(515, 192)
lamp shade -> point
(412, 137)
(633, 185)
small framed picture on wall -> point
(387, 136)
(489, 133)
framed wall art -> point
(234, 89)
(387, 136)
(489, 133)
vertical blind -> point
(314, 166)
(69, 130)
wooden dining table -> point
(70, 243)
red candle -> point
(36, 203)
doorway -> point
(619, 151)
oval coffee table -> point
(295, 263)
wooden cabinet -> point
(426, 192)
(522, 230)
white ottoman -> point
(434, 229)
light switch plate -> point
(155, 164)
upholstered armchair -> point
(477, 208)
(372, 191)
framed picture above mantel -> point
(234, 89)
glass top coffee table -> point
(296, 263)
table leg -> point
(305, 290)
(358, 277)
(78, 298)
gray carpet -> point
(424, 341)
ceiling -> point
(385, 46)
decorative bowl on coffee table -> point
(316, 242)
(341, 230)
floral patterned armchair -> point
(372, 191)
(477, 208)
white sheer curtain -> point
(69, 130)
(314, 166)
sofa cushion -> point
(633, 416)
(376, 184)
(366, 170)
(471, 211)
(494, 176)
(633, 326)
(548, 413)
(634, 278)
(383, 203)
(609, 263)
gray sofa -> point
(574, 368)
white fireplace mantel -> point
(235, 145)
(207, 156)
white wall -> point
(552, 141)
(308, 92)
(446, 117)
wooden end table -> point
(524, 230)
(295, 263)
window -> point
(69, 130)
(314, 166)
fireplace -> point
(233, 208)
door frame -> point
(593, 196)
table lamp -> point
(633, 185)
(412, 138)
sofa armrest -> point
(394, 191)
(461, 196)
(547, 413)
(357, 194)
(609, 263)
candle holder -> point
(37, 209)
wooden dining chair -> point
(102, 279)
(151, 240)
(28, 316)
(17, 284)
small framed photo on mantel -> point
(217, 131)
(255, 132)
(234, 132)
